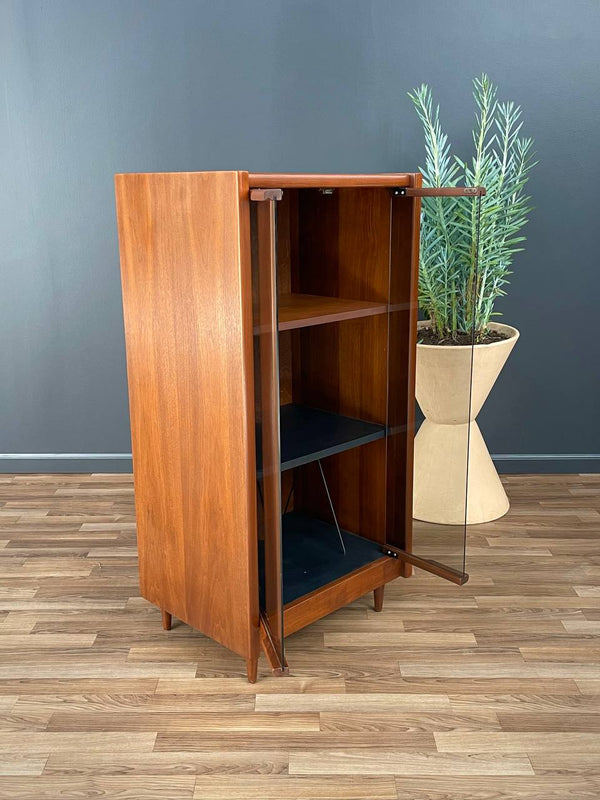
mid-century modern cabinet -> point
(270, 325)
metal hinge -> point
(266, 194)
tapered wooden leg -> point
(378, 598)
(166, 620)
(252, 669)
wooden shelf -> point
(303, 310)
(312, 556)
(308, 434)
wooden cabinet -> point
(270, 325)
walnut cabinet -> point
(270, 324)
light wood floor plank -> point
(495, 742)
(133, 703)
(397, 762)
(399, 721)
(465, 686)
(210, 762)
(51, 742)
(503, 788)
(585, 626)
(125, 788)
(349, 703)
(584, 719)
(17, 765)
(239, 685)
(564, 763)
(167, 721)
(283, 787)
(51, 641)
(526, 704)
(527, 669)
(587, 591)
(314, 741)
(389, 639)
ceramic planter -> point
(450, 406)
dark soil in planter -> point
(427, 336)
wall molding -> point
(542, 456)
(121, 462)
(50, 463)
(64, 455)
(523, 463)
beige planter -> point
(450, 407)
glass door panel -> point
(433, 439)
(441, 451)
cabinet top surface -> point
(268, 180)
(300, 180)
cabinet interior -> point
(333, 279)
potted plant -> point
(458, 287)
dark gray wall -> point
(92, 88)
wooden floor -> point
(490, 690)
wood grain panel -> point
(189, 361)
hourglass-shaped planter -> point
(449, 439)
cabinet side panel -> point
(184, 242)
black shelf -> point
(312, 555)
(308, 434)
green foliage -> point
(457, 290)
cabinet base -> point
(323, 601)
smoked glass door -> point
(434, 436)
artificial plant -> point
(457, 287)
